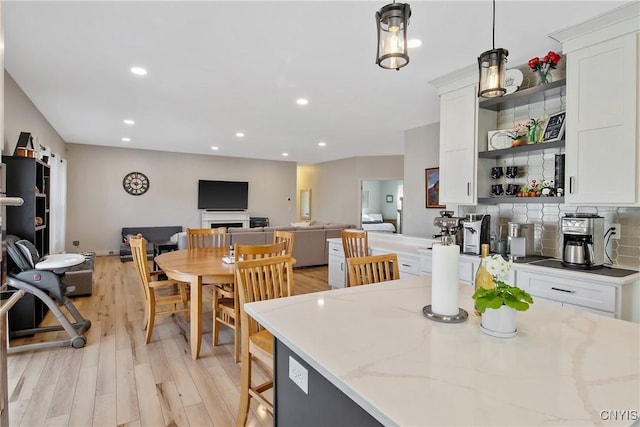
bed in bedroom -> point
(375, 222)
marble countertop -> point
(372, 342)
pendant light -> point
(492, 65)
(392, 21)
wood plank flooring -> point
(117, 380)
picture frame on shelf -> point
(432, 186)
(554, 127)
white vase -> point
(499, 322)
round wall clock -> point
(135, 183)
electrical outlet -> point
(76, 243)
(616, 232)
(299, 375)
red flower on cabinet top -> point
(542, 66)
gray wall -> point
(98, 207)
(20, 115)
(335, 185)
(421, 151)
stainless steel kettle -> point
(578, 252)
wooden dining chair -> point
(285, 236)
(355, 243)
(226, 310)
(199, 238)
(372, 269)
(159, 294)
(258, 280)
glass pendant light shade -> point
(492, 65)
(392, 21)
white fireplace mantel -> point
(209, 218)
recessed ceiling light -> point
(129, 122)
(125, 139)
(285, 154)
(139, 71)
(322, 144)
(239, 134)
(414, 43)
(302, 101)
(214, 148)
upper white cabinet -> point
(458, 152)
(602, 148)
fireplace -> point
(211, 219)
(226, 224)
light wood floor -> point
(117, 380)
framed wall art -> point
(432, 185)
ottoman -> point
(81, 276)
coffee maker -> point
(476, 232)
(583, 241)
(450, 229)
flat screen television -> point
(223, 195)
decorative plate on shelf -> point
(498, 139)
(512, 80)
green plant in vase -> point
(498, 305)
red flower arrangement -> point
(543, 66)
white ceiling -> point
(216, 68)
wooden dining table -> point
(197, 267)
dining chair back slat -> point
(199, 238)
(372, 269)
(355, 243)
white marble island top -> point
(372, 342)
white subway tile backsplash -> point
(548, 235)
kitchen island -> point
(372, 346)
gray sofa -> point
(310, 245)
(151, 234)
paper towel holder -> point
(462, 315)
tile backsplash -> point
(548, 236)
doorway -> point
(381, 205)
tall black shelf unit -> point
(29, 179)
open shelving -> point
(521, 150)
(523, 97)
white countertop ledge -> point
(373, 343)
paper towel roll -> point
(445, 279)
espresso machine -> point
(583, 241)
(450, 229)
(476, 232)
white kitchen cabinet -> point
(458, 142)
(602, 298)
(408, 264)
(601, 142)
(337, 266)
(467, 268)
